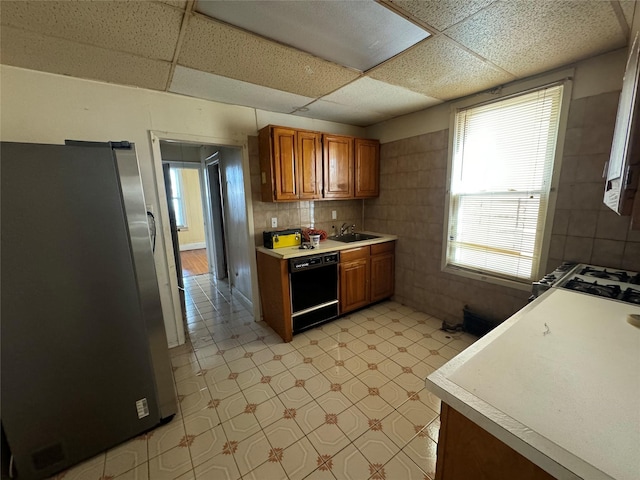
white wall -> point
(45, 108)
(192, 236)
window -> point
(176, 197)
(502, 164)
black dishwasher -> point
(313, 281)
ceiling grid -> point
(320, 68)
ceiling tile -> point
(181, 4)
(526, 38)
(358, 33)
(440, 69)
(21, 48)
(380, 97)
(440, 14)
(224, 50)
(221, 89)
(628, 9)
(148, 29)
(335, 112)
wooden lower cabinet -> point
(467, 451)
(366, 275)
(273, 280)
(383, 269)
(354, 284)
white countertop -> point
(326, 246)
(569, 400)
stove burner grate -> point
(605, 274)
(609, 291)
(631, 295)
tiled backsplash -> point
(411, 205)
(315, 214)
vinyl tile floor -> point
(342, 401)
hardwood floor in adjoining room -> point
(194, 262)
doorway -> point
(237, 215)
(194, 198)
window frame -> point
(179, 196)
(563, 77)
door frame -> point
(212, 249)
(165, 234)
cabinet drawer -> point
(354, 254)
(386, 247)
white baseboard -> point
(243, 299)
(192, 246)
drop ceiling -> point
(358, 62)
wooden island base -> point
(467, 451)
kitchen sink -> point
(353, 237)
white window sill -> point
(524, 285)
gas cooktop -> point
(605, 282)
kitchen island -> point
(558, 383)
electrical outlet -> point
(334, 215)
(274, 222)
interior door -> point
(217, 220)
(174, 233)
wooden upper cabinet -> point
(338, 166)
(305, 165)
(285, 167)
(309, 153)
(290, 164)
(278, 168)
(367, 168)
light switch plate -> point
(274, 222)
(334, 215)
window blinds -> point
(501, 174)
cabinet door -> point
(285, 168)
(338, 166)
(367, 168)
(354, 284)
(309, 151)
(382, 276)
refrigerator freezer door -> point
(77, 372)
(136, 213)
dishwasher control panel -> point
(312, 261)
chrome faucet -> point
(345, 229)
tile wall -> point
(584, 229)
(316, 214)
(411, 205)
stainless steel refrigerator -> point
(84, 358)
